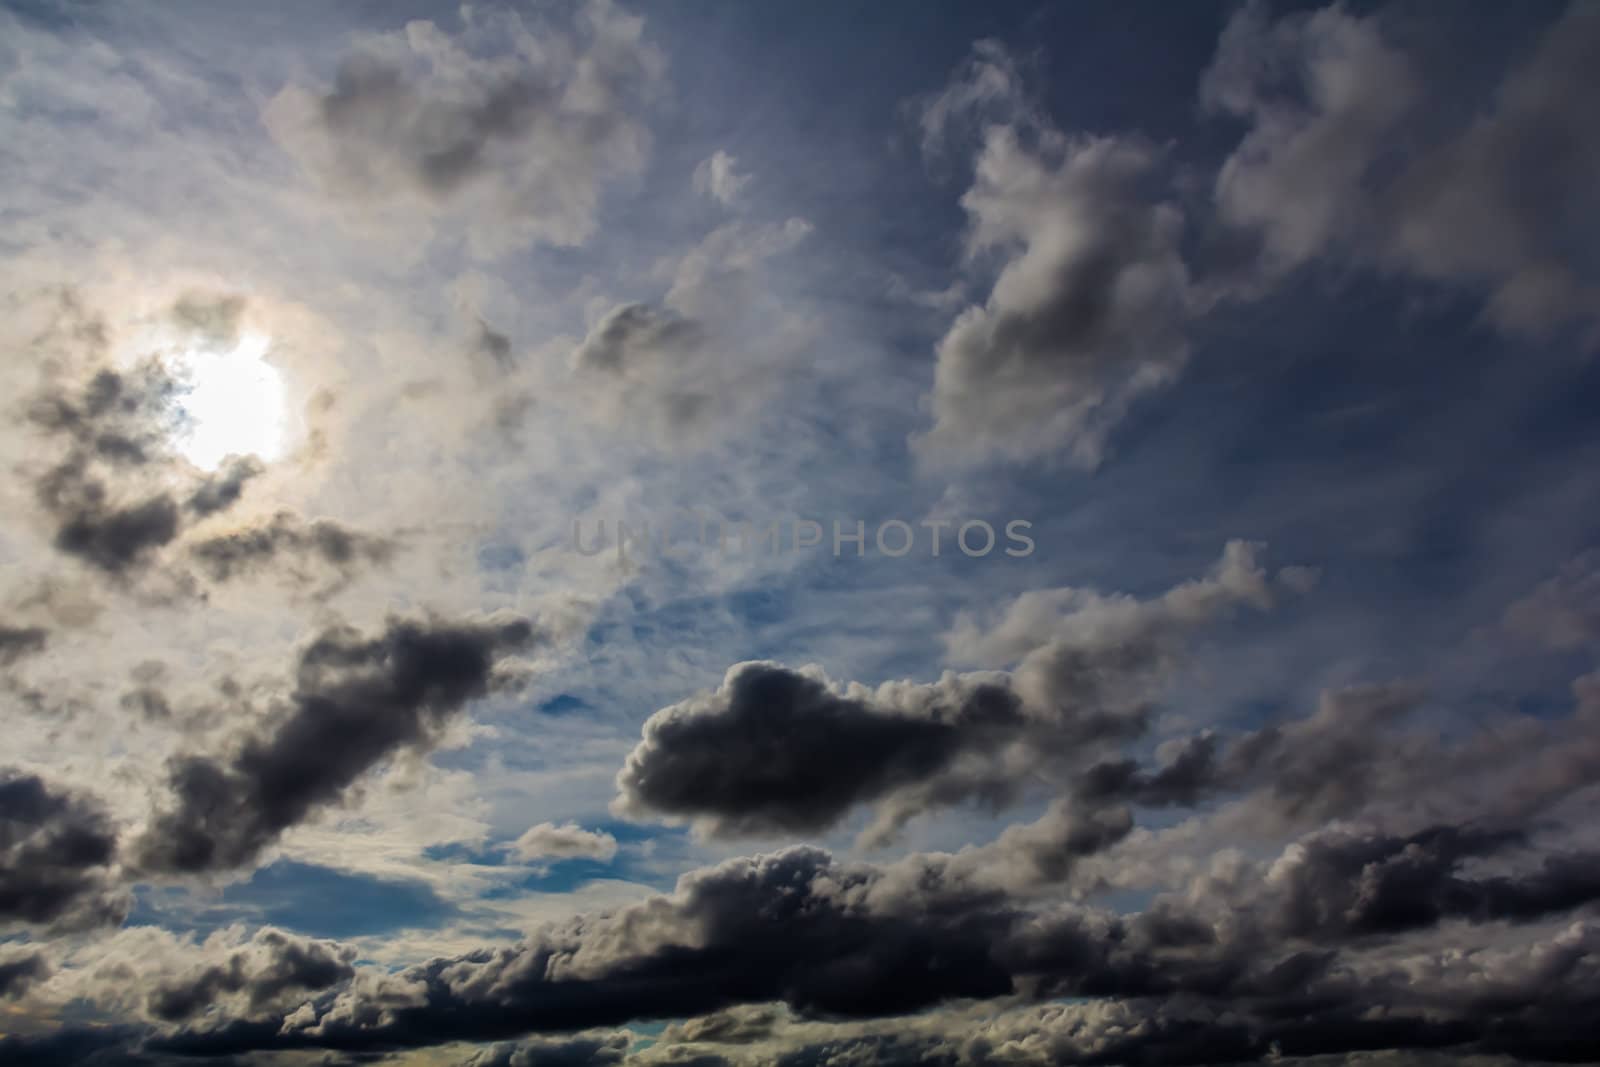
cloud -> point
(287, 543)
(18, 971)
(222, 490)
(356, 701)
(640, 360)
(709, 350)
(1564, 611)
(838, 941)
(109, 493)
(578, 1051)
(1087, 312)
(568, 841)
(509, 129)
(57, 856)
(1341, 160)
(19, 641)
(117, 421)
(718, 177)
(777, 750)
(261, 974)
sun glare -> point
(233, 404)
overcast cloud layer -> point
(581, 533)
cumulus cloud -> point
(832, 940)
(356, 701)
(1086, 314)
(1340, 160)
(1089, 305)
(260, 974)
(779, 750)
(513, 130)
(57, 856)
(567, 841)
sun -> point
(232, 402)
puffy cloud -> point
(1340, 160)
(1087, 312)
(775, 750)
(356, 701)
(57, 856)
(270, 967)
(511, 128)
(779, 750)
(568, 841)
(1089, 306)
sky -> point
(828, 535)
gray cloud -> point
(641, 361)
(1090, 302)
(1340, 160)
(579, 1051)
(57, 851)
(222, 490)
(19, 641)
(286, 543)
(1087, 312)
(838, 941)
(776, 750)
(261, 973)
(18, 971)
(517, 128)
(356, 701)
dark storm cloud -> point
(18, 972)
(835, 940)
(291, 543)
(356, 701)
(1339, 884)
(767, 928)
(260, 973)
(779, 750)
(56, 851)
(776, 750)
(19, 641)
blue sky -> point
(1273, 323)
